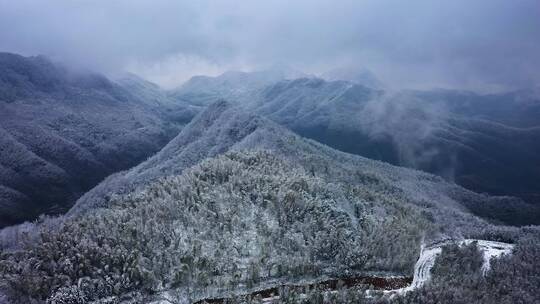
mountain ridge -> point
(236, 201)
(224, 127)
(63, 131)
(483, 142)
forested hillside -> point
(486, 143)
(266, 205)
(62, 131)
(457, 278)
(225, 127)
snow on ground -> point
(422, 269)
(490, 249)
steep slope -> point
(213, 132)
(267, 206)
(444, 135)
(224, 127)
(241, 218)
(487, 143)
(62, 131)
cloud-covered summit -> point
(484, 44)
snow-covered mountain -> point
(233, 85)
(236, 201)
(62, 131)
(443, 134)
(224, 127)
(358, 75)
(486, 143)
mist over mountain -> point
(232, 85)
(224, 127)
(358, 75)
(486, 45)
(63, 131)
(269, 152)
(130, 155)
(233, 189)
(486, 143)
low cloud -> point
(408, 122)
(484, 44)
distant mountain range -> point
(62, 131)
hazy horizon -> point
(481, 45)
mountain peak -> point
(214, 131)
(36, 77)
(64, 130)
(358, 75)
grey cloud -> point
(468, 44)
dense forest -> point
(273, 208)
(239, 218)
(243, 219)
(270, 152)
(456, 279)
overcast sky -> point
(470, 44)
